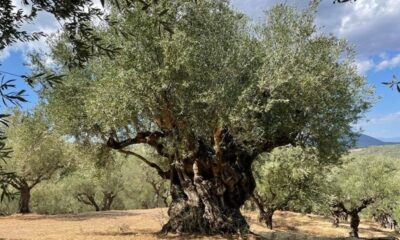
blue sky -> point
(372, 26)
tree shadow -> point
(75, 217)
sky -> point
(371, 26)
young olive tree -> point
(210, 95)
(363, 182)
(37, 153)
(285, 175)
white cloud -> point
(388, 118)
(370, 25)
(389, 63)
(45, 23)
(364, 66)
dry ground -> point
(144, 224)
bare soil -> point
(144, 224)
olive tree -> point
(37, 153)
(209, 95)
(285, 176)
(98, 179)
(363, 182)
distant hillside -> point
(392, 151)
(368, 141)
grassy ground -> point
(144, 224)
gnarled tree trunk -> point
(208, 186)
(209, 203)
(25, 196)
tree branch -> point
(150, 138)
(163, 174)
(364, 203)
(258, 202)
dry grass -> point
(144, 224)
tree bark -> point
(208, 186)
(207, 192)
(207, 206)
(354, 223)
(24, 199)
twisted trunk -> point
(208, 186)
(208, 189)
(203, 203)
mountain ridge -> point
(364, 141)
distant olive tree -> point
(98, 179)
(37, 153)
(288, 175)
(363, 182)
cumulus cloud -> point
(389, 63)
(369, 25)
(364, 66)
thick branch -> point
(89, 201)
(364, 203)
(150, 138)
(163, 174)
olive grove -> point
(209, 93)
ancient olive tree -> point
(209, 95)
(37, 153)
(363, 182)
(286, 176)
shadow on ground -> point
(76, 217)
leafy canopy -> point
(283, 82)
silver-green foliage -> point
(289, 178)
(281, 82)
(374, 177)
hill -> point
(368, 141)
(144, 224)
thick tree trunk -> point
(207, 202)
(210, 181)
(354, 223)
(24, 199)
